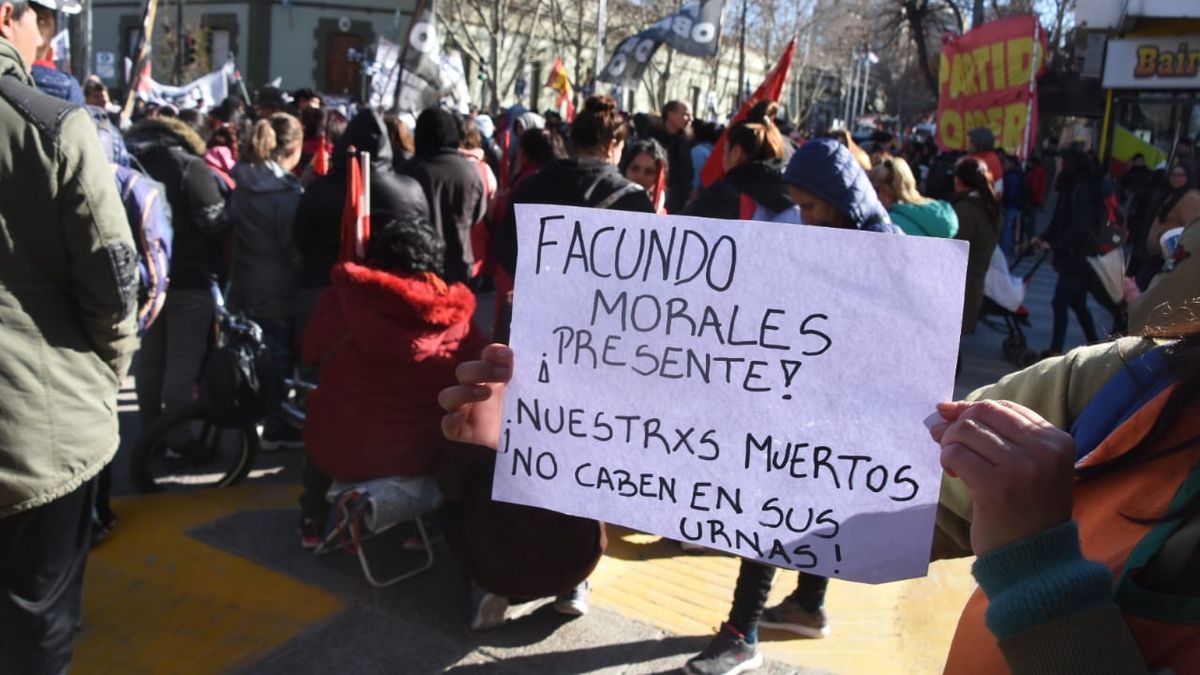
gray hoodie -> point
(262, 277)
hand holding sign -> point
(1018, 467)
(473, 406)
(751, 387)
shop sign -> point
(1153, 63)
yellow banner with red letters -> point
(987, 78)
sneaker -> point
(310, 533)
(727, 654)
(276, 437)
(790, 616)
(574, 603)
(490, 611)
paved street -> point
(216, 582)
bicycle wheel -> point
(185, 451)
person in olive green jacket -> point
(68, 271)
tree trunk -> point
(916, 22)
(494, 66)
(977, 14)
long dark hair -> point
(973, 173)
(1177, 193)
(1183, 360)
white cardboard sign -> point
(756, 388)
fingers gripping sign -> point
(1018, 467)
(473, 406)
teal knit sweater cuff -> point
(1040, 579)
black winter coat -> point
(317, 227)
(172, 154)
(568, 182)
(1078, 217)
(454, 191)
(762, 181)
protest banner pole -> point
(149, 10)
(399, 67)
(1033, 73)
(601, 19)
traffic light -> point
(189, 51)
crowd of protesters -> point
(251, 194)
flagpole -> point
(1033, 70)
(399, 67)
(601, 20)
(149, 10)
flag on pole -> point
(695, 30)
(559, 82)
(769, 90)
(356, 211)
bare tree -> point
(496, 34)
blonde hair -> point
(895, 173)
(274, 138)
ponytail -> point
(274, 138)
(759, 141)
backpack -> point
(149, 216)
(240, 384)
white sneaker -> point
(490, 611)
(574, 603)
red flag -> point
(356, 213)
(659, 197)
(559, 82)
(505, 144)
(320, 159)
(769, 90)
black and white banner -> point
(694, 30)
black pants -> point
(316, 484)
(753, 587)
(42, 555)
(1071, 293)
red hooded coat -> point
(386, 345)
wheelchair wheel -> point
(185, 451)
(1013, 345)
(1026, 358)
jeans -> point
(316, 484)
(42, 556)
(172, 354)
(753, 587)
(1008, 235)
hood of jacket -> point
(763, 181)
(436, 130)
(826, 168)
(163, 132)
(366, 133)
(264, 177)
(399, 317)
(934, 218)
(12, 64)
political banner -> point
(728, 384)
(449, 88)
(202, 93)
(988, 78)
(694, 30)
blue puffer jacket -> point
(826, 168)
(57, 83)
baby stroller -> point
(1003, 311)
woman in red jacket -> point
(387, 336)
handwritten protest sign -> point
(752, 387)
